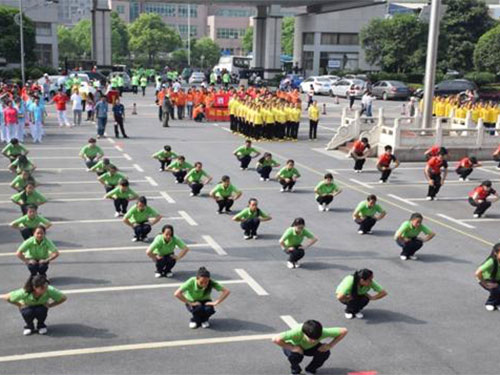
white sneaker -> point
(262, 179)
(242, 168)
(191, 194)
(176, 181)
(158, 275)
(267, 179)
(349, 315)
(488, 308)
(27, 332)
(290, 265)
(320, 207)
(326, 208)
(88, 169)
(381, 181)
(161, 170)
(429, 198)
(282, 190)
(476, 216)
(498, 167)
(414, 257)
(42, 331)
(247, 237)
(461, 179)
(403, 257)
(135, 239)
(145, 239)
(169, 275)
(117, 214)
(359, 315)
(467, 179)
(193, 325)
(297, 265)
(361, 232)
(205, 325)
(255, 236)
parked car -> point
(197, 78)
(450, 87)
(127, 84)
(332, 78)
(321, 85)
(341, 87)
(55, 83)
(292, 81)
(87, 88)
(95, 75)
(390, 90)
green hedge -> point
(32, 72)
(481, 78)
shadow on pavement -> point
(79, 330)
(236, 325)
(323, 266)
(69, 280)
(378, 316)
(435, 258)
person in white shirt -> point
(176, 86)
(367, 104)
(76, 99)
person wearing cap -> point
(162, 251)
(37, 252)
(407, 236)
(250, 219)
(353, 292)
(121, 196)
(307, 340)
(384, 164)
(436, 171)
(13, 149)
(91, 153)
(197, 178)
(367, 213)
(435, 151)
(478, 198)
(465, 167)
(29, 222)
(359, 152)
(325, 191)
(196, 292)
(245, 154)
(179, 168)
(224, 194)
(488, 276)
(164, 156)
(141, 218)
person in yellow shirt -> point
(231, 106)
(289, 120)
(258, 122)
(280, 116)
(313, 120)
(268, 122)
(297, 114)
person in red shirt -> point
(10, 118)
(359, 152)
(435, 151)
(466, 166)
(181, 103)
(190, 102)
(479, 198)
(159, 101)
(435, 171)
(384, 164)
(496, 156)
(60, 100)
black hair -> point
(364, 140)
(14, 141)
(167, 148)
(181, 157)
(416, 215)
(112, 167)
(473, 159)
(328, 175)
(371, 197)
(298, 221)
(124, 182)
(248, 141)
(312, 329)
(203, 272)
(22, 161)
(362, 274)
(35, 282)
(142, 199)
(225, 178)
(32, 207)
(168, 226)
(92, 140)
(443, 151)
(494, 256)
(105, 161)
(388, 148)
(266, 154)
(198, 163)
(290, 161)
(486, 183)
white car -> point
(196, 78)
(87, 88)
(321, 85)
(332, 78)
(55, 83)
(341, 88)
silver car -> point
(390, 90)
(321, 85)
(342, 87)
(196, 78)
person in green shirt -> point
(29, 196)
(141, 218)
(306, 340)
(22, 163)
(196, 292)
(287, 176)
(121, 195)
(34, 301)
(291, 242)
(488, 276)
(101, 167)
(407, 236)
(356, 298)
(265, 166)
(197, 178)
(245, 154)
(325, 191)
(111, 178)
(144, 84)
(164, 156)
(29, 222)
(21, 180)
(179, 168)
(135, 83)
(225, 194)
(162, 251)
(14, 149)
(91, 153)
(250, 219)
(37, 252)
(367, 213)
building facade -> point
(72, 11)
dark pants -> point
(225, 203)
(30, 313)
(189, 109)
(142, 230)
(325, 199)
(497, 159)
(171, 111)
(165, 119)
(287, 184)
(494, 297)
(245, 161)
(108, 188)
(199, 117)
(366, 224)
(24, 208)
(179, 176)
(355, 305)
(201, 313)
(164, 163)
(121, 205)
(27, 233)
(480, 207)
(295, 130)
(101, 125)
(180, 112)
(134, 89)
(143, 88)
(313, 128)
(463, 172)
(358, 164)
(250, 226)
(434, 189)
(38, 268)
(265, 171)
(289, 127)
(165, 264)
(196, 187)
(319, 358)
(385, 173)
(119, 125)
(351, 101)
(410, 247)
(90, 163)
(296, 254)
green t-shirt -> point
(91, 151)
(19, 183)
(365, 211)
(176, 164)
(245, 151)
(487, 270)
(117, 193)
(296, 337)
(28, 167)
(37, 251)
(293, 239)
(99, 167)
(325, 188)
(249, 214)
(28, 299)
(288, 173)
(112, 180)
(34, 198)
(14, 150)
(195, 176)
(221, 192)
(406, 230)
(193, 293)
(345, 287)
(26, 222)
(163, 155)
(138, 217)
(162, 248)
(268, 163)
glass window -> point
(234, 12)
(348, 39)
(308, 60)
(329, 38)
(43, 53)
(120, 9)
(43, 28)
(183, 10)
(165, 10)
(183, 30)
(229, 33)
(308, 38)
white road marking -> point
(127, 156)
(60, 170)
(440, 199)
(456, 221)
(251, 282)
(333, 171)
(361, 183)
(188, 218)
(485, 220)
(151, 181)
(78, 200)
(214, 245)
(111, 140)
(339, 155)
(494, 171)
(99, 221)
(66, 157)
(138, 167)
(119, 148)
(289, 320)
(402, 199)
(167, 197)
(43, 148)
(68, 182)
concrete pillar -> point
(298, 41)
(259, 36)
(317, 47)
(101, 32)
(272, 63)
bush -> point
(481, 78)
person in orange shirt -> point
(173, 98)
(435, 171)
(199, 113)
(181, 103)
(159, 100)
(189, 102)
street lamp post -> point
(21, 36)
(202, 58)
(189, 33)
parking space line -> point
(127, 156)
(188, 218)
(151, 181)
(339, 155)
(361, 183)
(289, 320)
(251, 282)
(138, 167)
(456, 221)
(488, 170)
(439, 199)
(333, 171)
(60, 170)
(45, 148)
(111, 140)
(66, 157)
(68, 182)
(99, 221)
(167, 197)
(422, 183)
(485, 220)
(214, 245)
(404, 200)
(119, 148)
(61, 200)
(50, 194)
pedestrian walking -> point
(367, 213)
(250, 219)
(119, 115)
(225, 194)
(291, 242)
(407, 236)
(101, 111)
(60, 100)
(38, 114)
(11, 120)
(77, 107)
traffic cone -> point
(403, 109)
(324, 108)
(134, 109)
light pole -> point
(189, 33)
(21, 39)
(202, 57)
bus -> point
(233, 64)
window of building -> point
(346, 39)
(43, 53)
(331, 61)
(307, 60)
(134, 10)
(43, 28)
(308, 38)
(232, 12)
(183, 30)
(183, 10)
(165, 10)
(229, 33)
(120, 9)
(329, 38)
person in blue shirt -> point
(21, 118)
(101, 111)
(37, 112)
(119, 114)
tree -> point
(149, 35)
(119, 37)
(10, 47)
(486, 56)
(397, 44)
(247, 41)
(67, 45)
(287, 33)
(82, 34)
(463, 24)
(209, 49)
